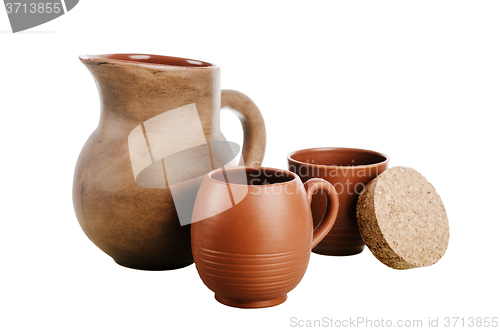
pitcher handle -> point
(254, 130)
(332, 208)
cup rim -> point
(261, 168)
(315, 149)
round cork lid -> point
(402, 219)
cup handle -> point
(254, 130)
(332, 208)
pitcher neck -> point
(139, 86)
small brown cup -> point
(253, 233)
(349, 170)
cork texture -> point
(402, 219)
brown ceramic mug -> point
(252, 233)
(349, 170)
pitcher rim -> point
(148, 60)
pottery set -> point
(157, 186)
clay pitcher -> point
(252, 233)
(138, 174)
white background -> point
(417, 80)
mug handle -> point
(254, 130)
(332, 207)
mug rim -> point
(331, 149)
(236, 168)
